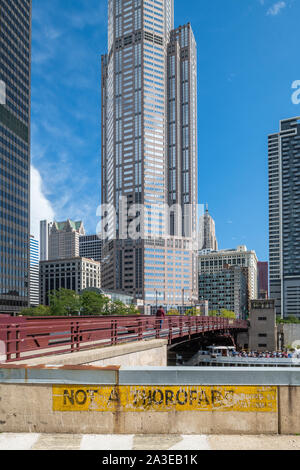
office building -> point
(226, 289)
(149, 152)
(34, 292)
(263, 279)
(44, 240)
(207, 232)
(215, 261)
(15, 65)
(284, 217)
(74, 274)
(60, 240)
(90, 246)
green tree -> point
(133, 310)
(93, 303)
(173, 311)
(292, 319)
(119, 308)
(64, 302)
(39, 311)
(213, 313)
(228, 314)
(192, 312)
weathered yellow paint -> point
(159, 398)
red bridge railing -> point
(26, 338)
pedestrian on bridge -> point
(160, 314)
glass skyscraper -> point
(149, 152)
(15, 58)
(284, 217)
(34, 294)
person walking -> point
(160, 314)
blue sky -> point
(248, 58)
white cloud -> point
(276, 8)
(41, 208)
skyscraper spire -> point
(207, 232)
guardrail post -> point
(8, 346)
(77, 336)
(170, 330)
(157, 327)
(180, 326)
(140, 330)
(18, 355)
(113, 332)
(72, 337)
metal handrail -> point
(32, 338)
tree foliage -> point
(193, 312)
(228, 314)
(93, 303)
(173, 312)
(39, 311)
(66, 302)
(222, 313)
(292, 319)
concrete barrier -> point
(151, 400)
(138, 353)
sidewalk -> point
(48, 442)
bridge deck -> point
(22, 338)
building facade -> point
(90, 246)
(63, 239)
(15, 79)
(225, 290)
(34, 293)
(74, 274)
(263, 279)
(215, 261)
(284, 217)
(44, 240)
(262, 331)
(149, 152)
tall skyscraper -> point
(60, 240)
(44, 240)
(149, 152)
(284, 217)
(34, 294)
(15, 60)
(207, 232)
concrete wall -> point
(92, 400)
(291, 334)
(140, 353)
(262, 331)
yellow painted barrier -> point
(164, 399)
